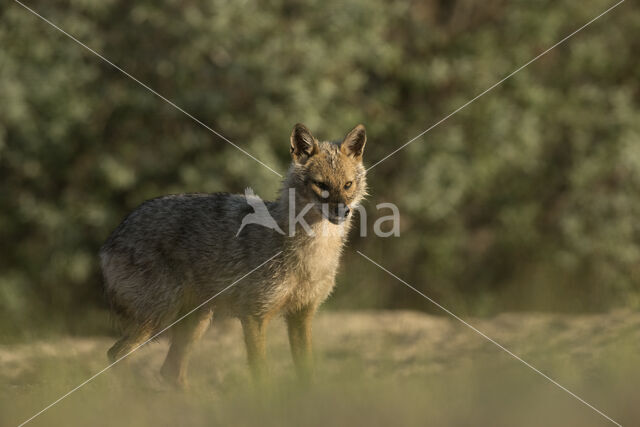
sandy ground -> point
(373, 367)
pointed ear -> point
(303, 144)
(353, 144)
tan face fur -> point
(329, 173)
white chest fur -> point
(316, 262)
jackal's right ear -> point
(303, 144)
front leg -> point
(254, 328)
(299, 326)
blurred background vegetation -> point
(525, 200)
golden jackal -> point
(174, 252)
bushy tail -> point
(120, 315)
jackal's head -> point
(328, 175)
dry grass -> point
(374, 368)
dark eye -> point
(348, 185)
(321, 185)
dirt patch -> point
(431, 356)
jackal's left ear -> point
(353, 144)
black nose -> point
(343, 211)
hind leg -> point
(183, 335)
(128, 343)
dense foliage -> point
(525, 199)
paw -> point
(174, 379)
